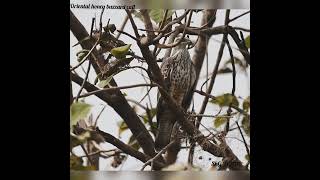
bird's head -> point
(185, 42)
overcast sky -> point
(223, 84)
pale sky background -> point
(223, 84)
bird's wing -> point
(188, 96)
(164, 115)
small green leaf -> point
(154, 125)
(79, 111)
(247, 41)
(105, 82)
(225, 100)
(122, 127)
(247, 157)
(153, 112)
(133, 143)
(81, 54)
(158, 14)
(246, 104)
(120, 52)
(137, 14)
(219, 121)
(246, 124)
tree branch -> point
(127, 149)
(121, 106)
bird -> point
(179, 77)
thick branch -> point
(115, 99)
(121, 106)
(192, 131)
(128, 149)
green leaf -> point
(105, 82)
(219, 121)
(246, 124)
(81, 54)
(247, 41)
(153, 112)
(225, 100)
(247, 157)
(79, 110)
(246, 104)
(122, 127)
(137, 14)
(133, 143)
(120, 52)
(158, 14)
(154, 125)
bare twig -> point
(176, 20)
(137, 103)
(233, 83)
(125, 33)
(180, 40)
(115, 88)
(238, 16)
(86, 56)
(244, 140)
(157, 156)
(241, 29)
(89, 65)
(126, 148)
(122, 26)
(134, 26)
(96, 121)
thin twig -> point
(87, 55)
(95, 122)
(241, 29)
(245, 143)
(125, 33)
(233, 82)
(89, 65)
(157, 156)
(122, 26)
(181, 39)
(137, 103)
(115, 88)
(84, 81)
(133, 24)
(238, 16)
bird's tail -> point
(165, 120)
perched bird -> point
(179, 76)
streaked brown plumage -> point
(179, 76)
